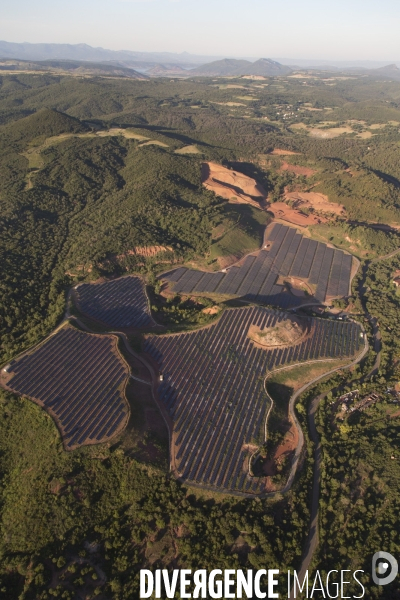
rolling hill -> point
(230, 67)
(70, 67)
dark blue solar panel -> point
(120, 303)
(285, 253)
(77, 376)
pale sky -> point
(312, 29)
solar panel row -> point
(288, 254)
(213, 387)
(79, 378)
(120, 303)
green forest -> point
(71, 517)
(77, 195)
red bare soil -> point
(283, 211)
(288, 445)
(232, 185)
(319, 202)
(297, 169)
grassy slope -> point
(239, 231)
(361, 241)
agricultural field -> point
(213, 387)
(288, 255)
(80, 379)
(120, 303)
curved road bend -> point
(312, 541)
(292, 413)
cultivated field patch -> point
(281, 152)
(154, 143)
(230, 103)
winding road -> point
(312, 541)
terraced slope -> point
(286, 254)
(79, 378)
(120, 303)
(213, 389)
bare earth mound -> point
(232, 185)
(285, 333)
(314, 200)
(294, 215)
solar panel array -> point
(79, 378)
(213, 388)
(290, 254)
(120, 303)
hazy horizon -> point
(314, 31)
(284, 60)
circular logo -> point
(384, 568)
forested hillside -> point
(86, 200)
(73, 201)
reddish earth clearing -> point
(319, 202)
(301, 204)
(288, 445)
(297, 169)
(232, 185)
(283, 211)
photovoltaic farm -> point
(120, 303)
(80, 379)
(213, 388)
(286, 254)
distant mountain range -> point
(28, 51)
(231, 67)
(82, 59)
(389, 71)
